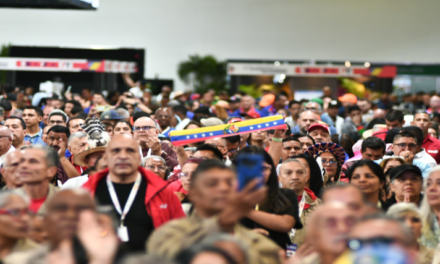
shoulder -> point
(75, 182)
(289, 194)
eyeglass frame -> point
(143, 128)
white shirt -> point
(137, 92)
(183, 124)
(76, 182)
(423, 156)
(2, 158)
(338, 124)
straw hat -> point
(79, 159)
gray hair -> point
(319, 105)
(145, 259)
(144, 160)
(122, 112)
(192, 149)
(6, 195)
(79, 134)
(278, 169)
(427, 213)
(51, 156)
(7, 157)
(396, 210)
(58, 111)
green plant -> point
(4, 52)
(207, 71)
(250, 90)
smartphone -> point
(249, 167)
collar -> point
(39, 133)
(420, 154)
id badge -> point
(123, 233)
(291, 250)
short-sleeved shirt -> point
(432, 147)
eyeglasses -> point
(329, 162)
(54, 122)
(143, 128)
(311, 108)
(232, 151)
(356, 244)
(16, 212)
(1, 136)
(159, 168)
(403, 145)
(185, 174)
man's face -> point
(14, 227)
(9, 170)
(422, 121)
(351, 197)
(246, 102)
(45, 133)
(293, 176)
(37, 232)
(306, 120)
(46, 112)
(320, 135)
(393, 124)
(234, 106)
(212, 189)
(56, 120)
(314, 107)
(333, 111)
(294, 110)
(68, 108)
(31, 118)
(232, 149)
(204, 154)
(364, 106)
(187, 172)
(63, 211)
(57, 140)
(259, 135)
(290, 149)
(408, 183)
(306, 143)
(92, 158)
(281, 102)
(98, 99)
(57, 104)
(331, 230)
(122, 155)
(434, 103)
(78, 145)
(164, 116)
(372, 154)
(407, 143)
(156, 166)
(17, 131)
(33, 167)
(218, 143)
(5, 140)
(75, 125)
(142, 135)
(355, 114)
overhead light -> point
(367, 64)
(277, 63)
(347, 64)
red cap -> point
(317, 126)
(252, 113)
(236, 119)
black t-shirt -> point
(138, 221)
(280, 238)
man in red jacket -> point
(430, 144)
(140, 198)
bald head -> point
(378, 113)
(306, 119)
(123, 158)
(5, 140)
(4, 131)
(144, 128)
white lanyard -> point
(301, 206)
(114, 197)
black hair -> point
(76, 109)
(58, 114)
(59, 129)
(374, 143)
(353, 108)
(125, 122)
(316, 182)
(345, 142)
(193, 123)
(279, 95)
(73, 118)
(389, 139)
(187, 256)
(375, 121)
(275, 202)
(208, 147)
(7, 106)
(301, 135)
(435, 127)
(416, 131)
(138, 115)
(23, 124)
(207, 165)
(180, 109)
(35, 108)
(72, 102)
(394, 115)
(291, 139)
(233, 139)
(420, 111)
(88, 170)
(293, 102)
(405, 134)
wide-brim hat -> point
(335, 149)
(79, 158)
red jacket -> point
(161, 203)
(432, 147)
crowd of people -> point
(95, 178)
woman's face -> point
(267, 169)
(432, 132)
(413, 222)
(121, 129)
(432, 191)
(364, 178)
(186, 174)
(109, 130)
(329, 163)
(14, 219)
(391, 164)
(259, 135)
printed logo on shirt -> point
(433, 151)
(163, 206)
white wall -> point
(170, 30)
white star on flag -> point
(203, 135)
(195, 136)
(211, 134)
(187, 137)
(274, 123)
(259, 126)
(267, 124)
(251, 127)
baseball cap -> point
(111, 115)
(267, 100)
(211, 121)
(235, 119)
(234, 99)
(397, 171)
(348, 98)
(334, 103)
(203, 110)
(251, 113)
(318, 126)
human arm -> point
(127, 79)
(181, 155)
(138, 104)
(276, 147)
(279, 223)
(69, 168)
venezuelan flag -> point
(184, 137)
